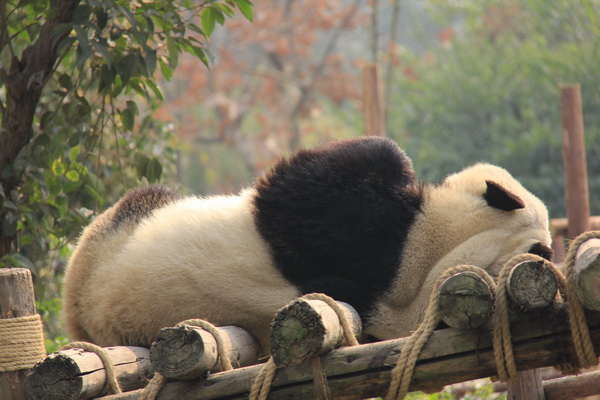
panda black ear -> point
(500, 198)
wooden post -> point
(587, 274)
(373, 108)
(574, 161)
(16, 300)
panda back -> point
(336, 217)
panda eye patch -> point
(542, 251)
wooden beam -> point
(450, 356)
(574, 161)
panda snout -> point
(541, 250)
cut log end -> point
(58, 377)
(587, 274)
(181, 353)
(465, 301)
(297, 332)
(532, 285)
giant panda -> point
(348, 219)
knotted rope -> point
(111, 377)
(584, 348)
(156, 384)
(22, 342)
(502, 344)
(402, 372)
(264, 379)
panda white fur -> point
(347, 219)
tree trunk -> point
(23, 84)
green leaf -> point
(84, 51)
(141, 163)
(132, 105)
(155, 89)
(127, 67)
(72, 175)
(127, 119)
(20, 261)
(173, 52)
(74, 153)
(246, 8)
(165, 69)
(81, 14)
(65, 81)
(58, 167)
(208, 20)
(153, 170)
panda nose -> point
(541, 250)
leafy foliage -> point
(93, 132)
(493, 94)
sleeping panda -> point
(348, 219)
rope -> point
(584, 348)
(158, 381)
(111, 377)
(22, 342)
(402, 372)
(264, 379)
(348, 339)
(503, 351)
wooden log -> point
(587, 274)
(532, 285)
(466, 301)
(574, 161)
(188, 352)
(573, 387)
(16, 300)
(527, 385)
(78, 374)
(450, 356)
(306, 328)
(373, 107)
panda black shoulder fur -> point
(347, 219)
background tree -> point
(490, 91)
(79, 87)
(276, 85)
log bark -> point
(306, 328)
(532, 286)
(573, 387)
(188, 352)
(450, 356)
(78, 374)
(587, 273)
(466, 301)
(16, 300)
(373, 107)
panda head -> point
(490, 210)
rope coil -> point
(264, 380)
(22, 342)
(158, 381)
(111, 377)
